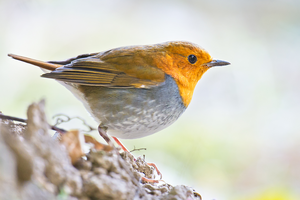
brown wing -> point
(121, 67)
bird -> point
(133, 91)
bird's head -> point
(186, 63)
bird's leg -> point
(120, 144)
(102, 131)
(150, 164)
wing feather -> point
(116, 68)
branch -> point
(25, 121)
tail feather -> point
(44, 65)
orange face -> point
(186, 63)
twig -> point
(134, 149)
(60, 121)
(25, 121)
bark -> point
(34, 165)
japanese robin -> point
(133, 91)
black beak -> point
(215, 63)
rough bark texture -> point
(35, 166)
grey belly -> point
(134, 112)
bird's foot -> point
(102, 131)
(149, 164)
(157, 170)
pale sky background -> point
(240, 136)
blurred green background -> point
(240, 137)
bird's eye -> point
(192, 58)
